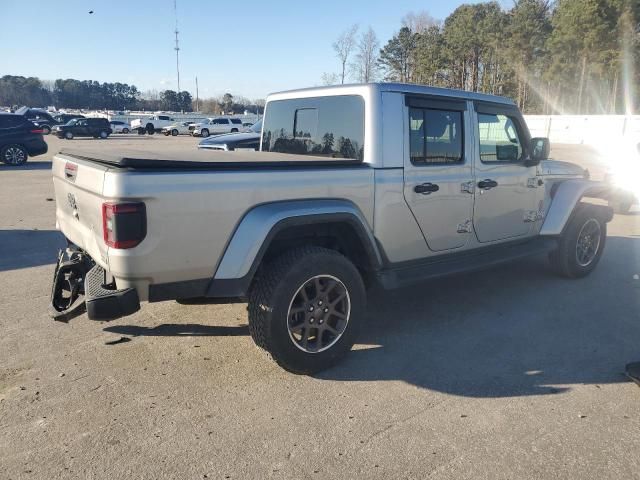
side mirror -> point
(540, 148)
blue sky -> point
(246, 47)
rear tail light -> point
(124, 225)
(36, 130)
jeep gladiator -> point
(354, 187)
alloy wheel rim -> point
(588, 242)
(318, 314)
(14, 155)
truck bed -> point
(181, 159)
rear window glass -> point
(324, 126)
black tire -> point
(166, 133)
(621, 204)
(174, 133)
(150, 129)
(234, 130)
(141, 131)
(125, 130)
(46, 129)
(14, 155)
(273, 292)
(204, 132)
(68, 135)
(104, 134)
(564, 260)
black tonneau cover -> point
(177, 158)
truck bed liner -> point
(179, 159)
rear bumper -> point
(37, 147)
(104, 301)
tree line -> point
(16, 91)
(567, 56)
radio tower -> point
(177, 48)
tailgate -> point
(78, 192)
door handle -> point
(487, 184)
(426, 188)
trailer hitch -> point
(67, 292)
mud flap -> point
(67, 290)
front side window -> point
(331, 127)
(499, 139)
(435, 136)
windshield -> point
(73, 121)
(256, 127)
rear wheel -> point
(306, 308)
(150, 129)
(125, 130)
(14, 155)
(234, 130)
(174, 133)
(141, 131)
(581, 245)
(204, 132)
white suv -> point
(217, 126)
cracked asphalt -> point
(503, 374)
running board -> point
(453, 263)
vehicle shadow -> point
(29, 248)
(511, 331)
(40, 165)
(178, 330)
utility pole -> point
(197, 97)
(177, 48)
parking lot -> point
(507, 373)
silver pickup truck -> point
(354, 187)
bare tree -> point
(365, 67)
(344, 46)
(418, 22)
(329, 78)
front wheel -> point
(68, 135)
(104, 134)
(125, 130)
(306, 308)
(581, 245)
(174, 133)
(141, 131)
(14, 155)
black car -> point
(19, 139)
(234, 141)
(40, 117)
(65, 117)
(84, 127)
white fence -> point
(584, 129)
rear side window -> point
(10, 121)
(331, 127)
(237, 121)
(163, 117)
(435, 136)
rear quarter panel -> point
(192, 215)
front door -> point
(506, 189)
(438, 171)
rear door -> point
(438, 170)
(506, 189)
